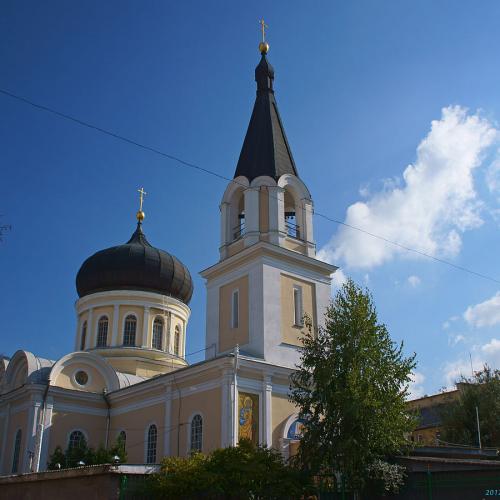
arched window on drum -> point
(129, 330)
(157, 333)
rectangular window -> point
(235, 309)
(298, 311)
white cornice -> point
(263, 247)
(132, 298)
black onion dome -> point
(136, 265)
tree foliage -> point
(242, 472)
(351, 388)
(81, 452)
(459, 421)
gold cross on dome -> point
(142, 193)
(263, 28)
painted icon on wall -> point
(248, 417)
(296, 429)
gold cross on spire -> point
(142, 193)
(140, 214)
(263, 28)
(263, 46)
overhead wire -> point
(225, 178)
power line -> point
(225, 178)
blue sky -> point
(391, 110)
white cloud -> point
(364, 191)
(493, 176)
(488, 353)
(433, 204)
(458, 338)
(414, 281)
(338, 278)
(486, 313)
(492, 348)
(416, 385)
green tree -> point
(351, 388)
(459, 420)
(242, 472)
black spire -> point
(265, 150)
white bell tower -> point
(267, 278)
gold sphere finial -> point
(263, 46)
(140, 215)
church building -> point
(128, 375)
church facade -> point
(128, 375)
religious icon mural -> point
(296, 429)
(248, 417)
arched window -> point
(196, 433)
(177, 340)
(291, 225)
(237, 215)
(129, 330)
(17, 451)
(157, 333)
(122, 440)
(83, 337)
(76, 440)
(151, 450)
(102, 332)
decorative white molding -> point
(146, 330)
(167, 421)
(75, 408)
(267, 411)
(90, 329)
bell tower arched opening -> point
(237, 215)
(291, 212)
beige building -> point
(128, 375)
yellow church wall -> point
(290, 333)
(139, 314)
(17, 420)
(295, 245)
(281, 411)
(93, 426)
(235, 247)
(208, 404)
(136, 423)
(228, 336)
(66, 380)
(264, 209)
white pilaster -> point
(146, 331)
(276, 214)
(225, 230)
(251, 216)
(167, 421)
(45, 425)
(116, 321)
(90, 329)
(267, 411)
(307, 222)
(27, 459)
